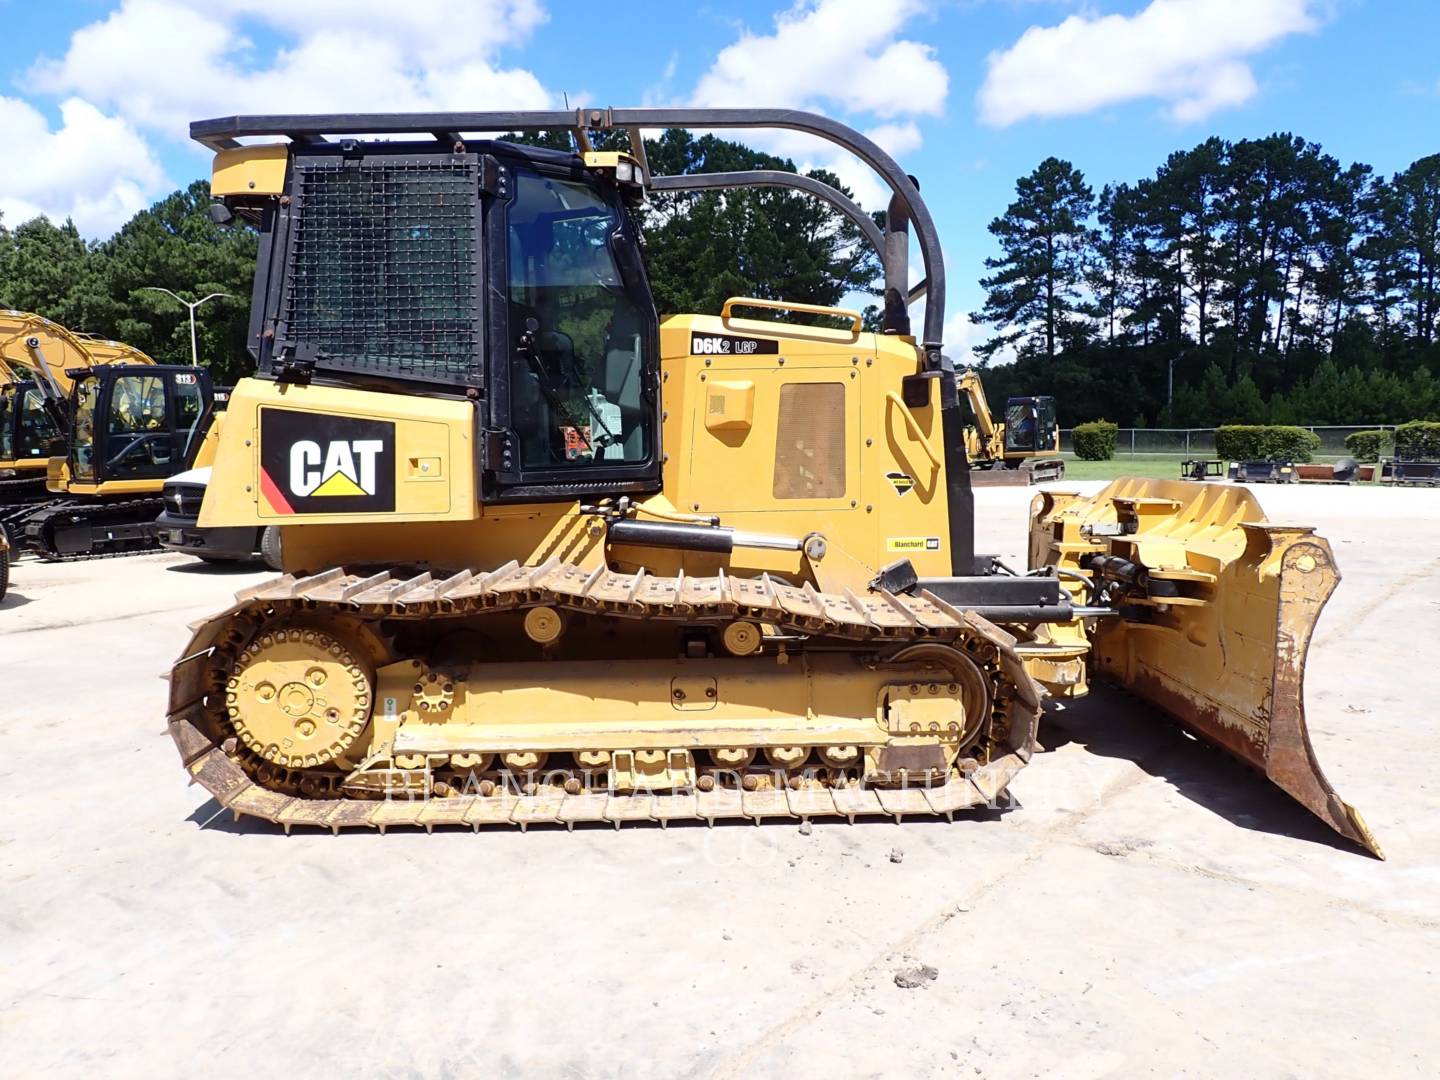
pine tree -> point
(1034, 296)
(1414, 215)
(1108, 270)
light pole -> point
(190, 306)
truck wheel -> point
(4, 570)
(270, 548)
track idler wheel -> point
(299, 697)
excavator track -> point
(1044, 470)
(224, 748)
(19, 499)
(19, 490)
(71, 530)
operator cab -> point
(507, 274)
(29, 430)
(1030, 425)
(135, 422)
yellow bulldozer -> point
(89, 431)
(553, 559)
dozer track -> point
(323, 700)
(73, 529)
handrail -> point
(857, 320)
(914, 427)
(777, 178)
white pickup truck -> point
(178, 528)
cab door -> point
(190, 394)
(146, 419)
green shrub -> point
(1265, 442)
(1367, 445)
(1417, 439)
(1095, 441)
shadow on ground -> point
(1111, 724)
(225, 568)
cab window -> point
(39, 435)
(1020, 429)
(7, 423)
(189, 406)
(137, 427)
(577, 335)
(87, 400)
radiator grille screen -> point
(382, 276)
(810, 442)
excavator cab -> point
(95, 427)
(1030, 425)
(134, 423)
(28, 427)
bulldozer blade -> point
(1217, 607)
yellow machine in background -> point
(1027, 441)
(35, 383)
(89, 431)
(551, 559)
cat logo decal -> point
(318, 464)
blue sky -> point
(970, 94)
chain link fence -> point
(1200, 442)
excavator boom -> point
(49, 351)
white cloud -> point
(163, 63)
(961, 337)
(1186, 53)
(93, 168)
(897, 140)
(150, 67)
(834, 56)
(838, 52)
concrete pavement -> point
(1149, 907)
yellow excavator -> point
(89, 431)
(552, 559)
(1024, 448)
(37, 357)
(35, 383)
